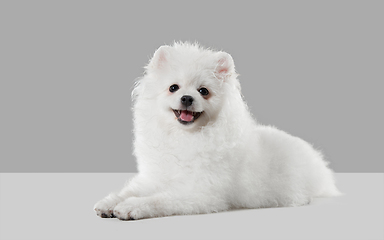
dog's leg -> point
(161, 205)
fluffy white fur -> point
(222, 160)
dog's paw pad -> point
(104, 213)
(104, 208)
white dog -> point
(199, 150)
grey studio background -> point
(313, 69)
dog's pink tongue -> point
(186, 116)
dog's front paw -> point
(104, 207)
(132, 209)
(122, 212)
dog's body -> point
(199, 150)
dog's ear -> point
(224, 66)
(160, 58)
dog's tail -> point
(329, 188)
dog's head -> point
(186, 83)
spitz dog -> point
(199, 150)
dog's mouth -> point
(186, 117)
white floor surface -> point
(60, 206)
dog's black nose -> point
(186, 100)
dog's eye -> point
(203, 91)
(174, 88)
